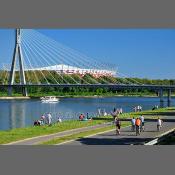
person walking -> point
(43, 119)
(138, 123)
(118, 125)
(133, 121)
(159, 124)
(49, 116)
(135, 109)
(142, 126)
(120, 111)
(140, 108)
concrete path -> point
(127, 137)
(39, 139)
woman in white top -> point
(49, 118)
(142, 128)
(159, 124)
(133, 121)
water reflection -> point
(169, 103)
(161, 104)
(22, 113)
(16, 114)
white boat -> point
(49, 99)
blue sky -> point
(145, 53)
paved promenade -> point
(127, 137)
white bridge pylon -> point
(17, 55)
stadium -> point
(66, 69)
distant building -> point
(66, 69)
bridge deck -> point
(114, 86)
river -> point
(22, 113)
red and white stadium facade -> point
(66, 69)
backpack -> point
(138, 122)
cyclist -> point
(138, 123)
(118, 125)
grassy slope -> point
(28, 132)
(149, 113)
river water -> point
(22, 113)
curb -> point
(160, 137)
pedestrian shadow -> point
(102, 118)
(121, 135)
(114, 141)
(149, 131)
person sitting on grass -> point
(59, 120)
(81, 117)
(37, 123)
(87, 115)
(85, 118)
(89, 118)
(155, 107)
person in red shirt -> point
(81, 117)
(138, 123)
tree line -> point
(51, 77)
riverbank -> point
(34, 131)
(84, 95)
(15, 98)
(29, 132)
(74, 96)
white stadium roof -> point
(62, 68)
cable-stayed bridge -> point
(43, 62)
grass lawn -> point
(151, 113)
(28, 132)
